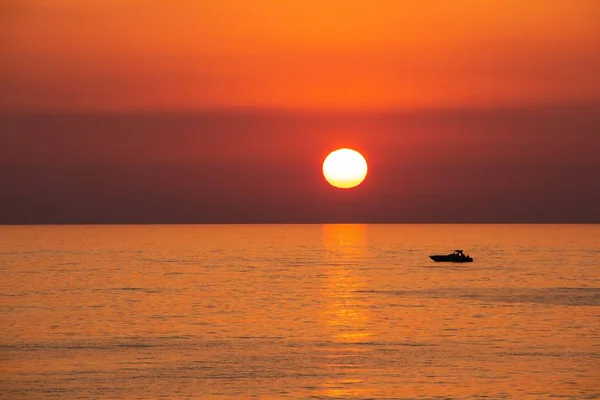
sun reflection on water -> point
(346, 315)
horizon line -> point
(294, 223)
(29, 111)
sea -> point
(299, 312)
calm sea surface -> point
(299, 311)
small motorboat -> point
(458, 257)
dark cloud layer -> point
(504, 165)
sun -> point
(345, 168)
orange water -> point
(299, 311)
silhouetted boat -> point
(457, 256)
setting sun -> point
(345, 168)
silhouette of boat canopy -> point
(457, 256)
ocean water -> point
(299, 311)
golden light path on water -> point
(347, 317)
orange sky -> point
(379, 54)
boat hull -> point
(451, 258)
